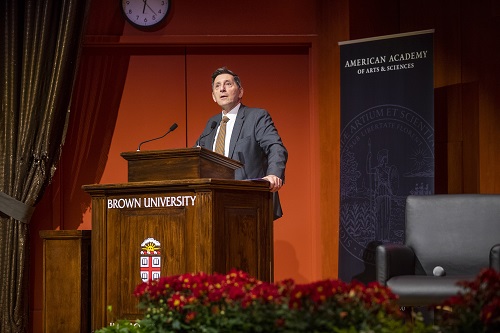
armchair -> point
(449, 237)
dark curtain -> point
(39, 46)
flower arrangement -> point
(237, 302)
(476, 309)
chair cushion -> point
(419, 290)
(454, 231)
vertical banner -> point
(386, 143)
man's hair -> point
(224, 70)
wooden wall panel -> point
(333, 26)
(489, 97)
(232, 18)
(373, 18)
(469, 102)
(449, 139)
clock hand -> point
(145, 3)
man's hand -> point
(275, 182)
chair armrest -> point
(495, 257)
(393, 260)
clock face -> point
(145, 14)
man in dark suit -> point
(251, 136)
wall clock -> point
(146, 14)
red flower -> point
(280, 322)
(191, 297)
(190, 316)
(490, 313)
(176, 302)
(477, 306)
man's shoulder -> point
(215, 117)
(251, 111)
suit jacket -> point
(255, 142)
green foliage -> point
(122, 326)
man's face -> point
(226, 92)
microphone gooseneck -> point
(172, 128)
(212, 126)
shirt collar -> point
(233, 113)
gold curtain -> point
(40, 42)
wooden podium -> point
(181, 211)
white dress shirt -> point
(229, 128)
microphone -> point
(172, 128)
(212, 126)
(438, 271)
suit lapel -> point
(238, 124)
(211, 137)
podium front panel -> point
(244, 233)
(152, 229)
(131, 233)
